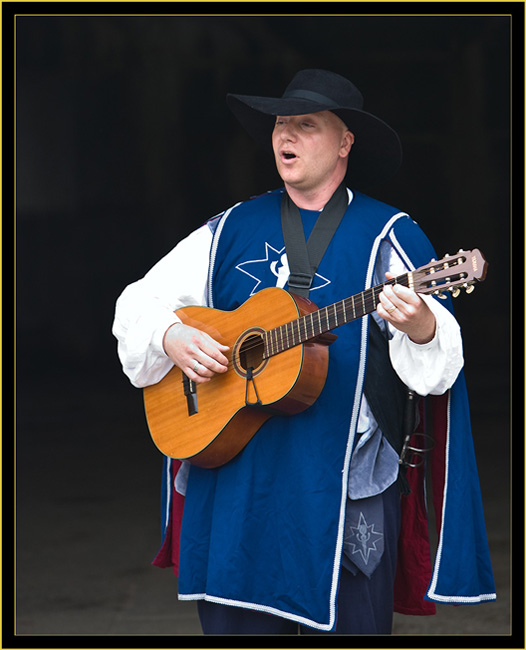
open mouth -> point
(288, 155)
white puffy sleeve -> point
(145, 309)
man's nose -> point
(288, 132)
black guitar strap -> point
(305, 257)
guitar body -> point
(232, 406)
(278, 364)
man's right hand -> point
(196, 353)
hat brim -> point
(376, 154)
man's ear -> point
(347, 143)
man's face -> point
(311, 150)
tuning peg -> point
(454, 291)
(470, 288)
(440, 295)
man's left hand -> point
(407, 312)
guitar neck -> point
(324, 320)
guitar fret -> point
(371, 301)
(335, 315)
(375, 301)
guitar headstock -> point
(451, 273)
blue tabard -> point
(265, 531)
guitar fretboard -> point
(324, 320)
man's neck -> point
(315, 199)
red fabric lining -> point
(168, 555)
(414, 570)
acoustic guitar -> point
(278, 362)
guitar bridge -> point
(190, 390)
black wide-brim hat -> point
(376, 153)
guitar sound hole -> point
(251, 352)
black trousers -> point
(365, 605)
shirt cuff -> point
(429, 368)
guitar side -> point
(223, 424)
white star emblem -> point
(274, 265)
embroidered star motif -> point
(363, 538)
(273, 270)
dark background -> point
(124, 145)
